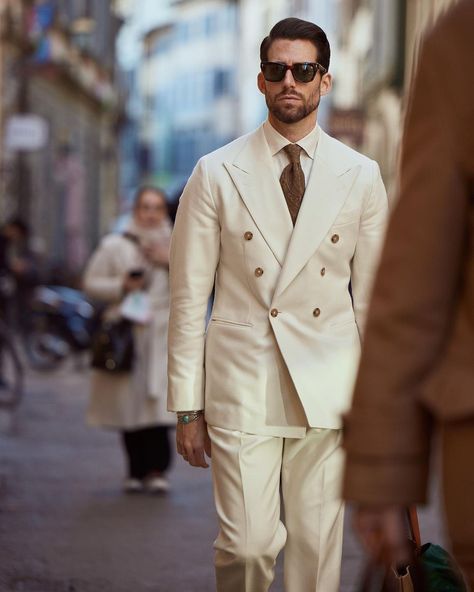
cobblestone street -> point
(65, 526)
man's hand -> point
(383, 533)
(192, 441)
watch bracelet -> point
(186, 417)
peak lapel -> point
(253, 174)
(324, 197)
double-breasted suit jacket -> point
(282, 345)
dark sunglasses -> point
(302, 72)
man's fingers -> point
(207, 445)
(200, 459)
(196, 457)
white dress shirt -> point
(276, 142)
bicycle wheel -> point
(11, 372)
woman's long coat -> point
(136, 399)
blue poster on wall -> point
(40, 18)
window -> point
(210, 24)
(222, 83)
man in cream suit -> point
(286, 223)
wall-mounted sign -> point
(26, 132)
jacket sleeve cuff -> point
(405, 434)
(381, 483)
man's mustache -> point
(288, 95)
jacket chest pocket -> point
(347, 217)
(341, 239)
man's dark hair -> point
(295, 28)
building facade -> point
(380, 45)
(187, 83)
(195, 81)
(59, 65)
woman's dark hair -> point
(145, 189)
(295, 28)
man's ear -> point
(326, 84)
(261, 83)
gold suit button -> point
(323, 271)
(248, 235)
(335, 238)
(274, 312)
(316, 312)
(259, 272)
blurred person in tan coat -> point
(417, 369)
(135, 402)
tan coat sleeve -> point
(101, 279)
(387, 433)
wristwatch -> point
(185, 417)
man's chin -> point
(289, 115)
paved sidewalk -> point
(65, 526)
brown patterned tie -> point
(292, 180)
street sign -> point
(26, 132)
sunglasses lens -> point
(304, 72)
(273, 72)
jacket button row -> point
(335, 238)
(259, 272)
(323, 271)
(274, 312)
(316, 312)
(248, 235)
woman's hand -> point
(157, 254)
(131, 284)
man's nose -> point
(289, 80)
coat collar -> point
(253, 174)
(328, 186)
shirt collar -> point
(277, 142)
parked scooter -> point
(59, 323)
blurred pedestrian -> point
(18, 268)
(276, 367)
(136, 262)
(417, 370)
(18, 277)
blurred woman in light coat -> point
(135, 402)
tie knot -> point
(293, 151)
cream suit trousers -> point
(249, 471)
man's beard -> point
(294, 114)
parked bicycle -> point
(59, 323)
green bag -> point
(441, 572)
(432, 569)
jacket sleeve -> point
(369, 244)
(194, 256)
(387, 433)
(100, 280)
